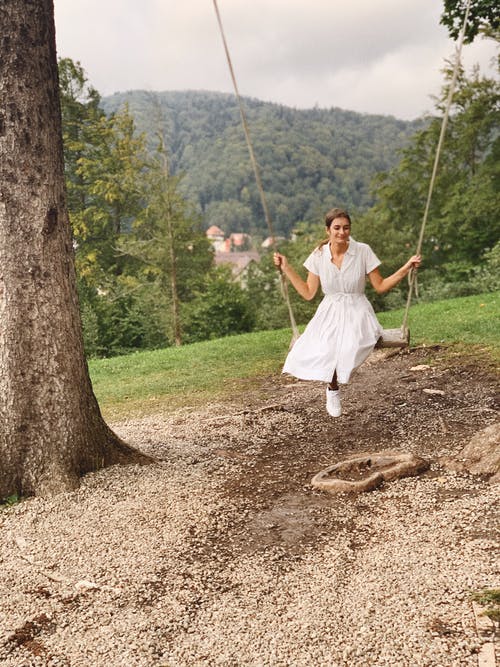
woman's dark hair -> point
(336, 213)
(332, 215)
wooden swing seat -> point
(394, 338)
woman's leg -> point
(334, 385)
(333, 405)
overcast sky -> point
(382, 56)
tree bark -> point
(51, 428)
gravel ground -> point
(221, 553)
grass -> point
(472, 319)
(9, 501)
(489, 598)
(146, 382)
(162, 380)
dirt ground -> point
(222, 553)
(432, 412)
(270, 441)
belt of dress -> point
(343, 295)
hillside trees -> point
(170, 253)
(51, 429)
(464, 220)
(145, 268)
(310, 159)
(484, 17)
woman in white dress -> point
(344, 329)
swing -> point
(394, 338)
(390, 338)
(401, 337)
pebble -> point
(159, 568)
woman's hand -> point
(280, 261)
(414, 262)
(383, 285)
(306, 288)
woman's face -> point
(339, 230)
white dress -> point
(344, 329)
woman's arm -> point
(382, 285)
(306, 288)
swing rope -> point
(444, 123)
(284, 283)
(413, 273)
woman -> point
(344, 329)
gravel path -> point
(223, 554)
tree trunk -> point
(171, 248)
(51, 429)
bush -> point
(222, 309)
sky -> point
(383, 56)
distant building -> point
(216, 236)
(236, 242)
(240, 241)
(239, 261)
(268, 243)
(215, 233)
(233, 250)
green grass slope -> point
(162, 380)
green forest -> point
(148, 173)
(309, 159)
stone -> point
(482, 454)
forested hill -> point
(310, 159)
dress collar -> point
(351, 250)
(348, 255)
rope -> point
(444, 123)
(284, 284)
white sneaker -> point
(333, 405)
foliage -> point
(111, 171)
(489, 598)
(464, 216)
(484, 17)
(170, 250)
(309, 159)
(487, 275)
(104, 164)
(223, 308)
(81, 114)
(264, 282)
(133, 230)
(9, 501)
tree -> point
(224, 308)
(51, 429)
(464, 214)
(111, 172)
(167, 251)
(484, 17)
(105, 162)
(81, 115)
